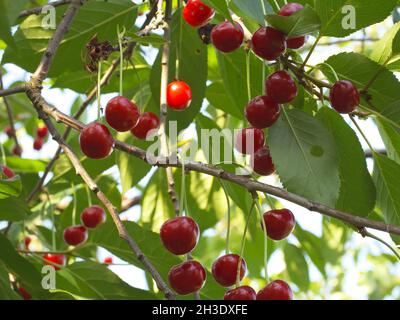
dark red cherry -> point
(41, 132)
(279, 223)
(92, 216)
(37, 143)
(240, 293)
(122, 114)
(108, 260)
(281, 87)
(187, 277)
(75, 235)
(54, 258)
(225, 269)
(249, 140)
(196, 13)
(227, 37)
(275, 290)
(148, 123)
(344, 96)
(24, 294)
(96, 141)
(17, 151)
(7, 171)
(179, 235)
(296, 43)
(8, 131)
(287, 10)
(268, 43)
(262, 112)
(179, 95)
(27, 241)
(261, 162)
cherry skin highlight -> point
(281, 87)
(261, 162)
(249, 140)
(262, 112)
(7, 171)
(92, 216)
(197, 14)
(344, 96)
(54, 258)
(279, 223)
(240, 293)
(268, 43)
(96, 141)
(179, 95)
(225, 269)
(187, 277)
(75, 235)
(227, 37)
(276, 290)
(147, 122)
(122, 114)
(41, 132)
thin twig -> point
(38, 10)
(11, 91)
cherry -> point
(225, 269)
(240, 293)
(8, 131)
(179, 95)
(147, 122)
(227, 37)
(24, 294)
(75, 235)
(17, 151)
(281, 87)
(27, 241)
(262, 112)
(108, 260)
(344, 96)
(37, 143)
(249, 140)
(197, 14)
(7, 171)
(268, 43)
(180, 235)
(287, 10)
(96, 141)
(187, 277)
(279, 223)
(41, 132)
(275, 290)
(261, 162)
(54, 258)
(296, 43)
(92, 216)
(121, 114)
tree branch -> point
(38, 10)
(11, 91)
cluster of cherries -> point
(41, 134)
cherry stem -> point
(99, 91)
(277, 5)
(362, 133)
(88, 194)
(228, 227)
(121, 59)
(260, 211)
(74, 204)
(179, 46)
(330, 67)
(379, 115)
(139, 81)
(269, 200)
(376, 75)
(3, 154)
(368, 234)
(248, 76)
(53, 225)
(311, 51)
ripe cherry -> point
(279, 223)
(240, 293)
(179, 95)
(54, 259)
(75, 235)
(17, 151)
(281, 87)
(227, 37)
(41, 132)
(147, 124)
(96, 141)
(24, 294)
(7, 171)
(8, 131)
(262, 112)
(275, 290)
(268, 43)
(261, 162)
(121, 114)
(197, 14)
(287, 10)
(344, 96)
(296, 43)
(249, 140)
(92, 216)
(108, 260)
(225, 269)
(180, 235)
(27, 241)
(187, 277)
(37, 143)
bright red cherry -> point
(37, 143)
(8, 131)
(268, 43)
(249, 140)
(122, 114)
(180, 235)
(27, 241)
(41, 132)
(17, 151)
(108, 260)
(344, 96)
(227, 37)
(287, 10)
(7, 171)
(225, 269)
(24, 294)
(148, 122)
(96, 141)
(279, 223)
(240, 293)
(179, 95)
(261, 162)
(75, 235)
(92, 216)
(275, 290)
(196, 13)
(262, 112)
(54, 258)
(281, 87)
(187, 277)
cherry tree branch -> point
(11, 91)
(38, 10)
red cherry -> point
(37, 143)
(262, 112)
(92, 216)
(249, 140)
(227, 37)
(179, 95)
(24, 294)
(279, 223)
(268, 43)
(290, 8)
(96, 141)
(122, 114)
(261, 162)
(17, 151)
(197, 14)
(225, 269)
(187, 277)
(147, 122)
(108, 260)
(54, 258)
(180, 235)
(296, 43)
(344, 96)
(75, 235)
(8, 131)
(240, 293)
(41, 132)
(7, 171)
(281, 87)
(27, 241)
(275, 290)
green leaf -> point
(6, 292)
(10, 187)
(390, 134)
(254, 9)
(218, 98)
(296, 266)
(26, 165)
(9, 11)
(221, 6)
(13, 209)
(388, 46)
